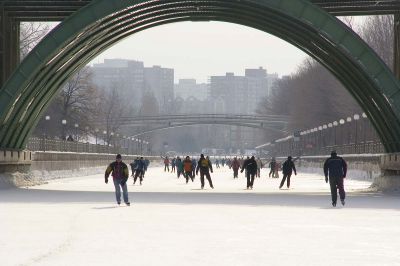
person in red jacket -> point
(166, 163)
(187, 169)
(120, 174)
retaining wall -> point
(27, 168)
(361, 167)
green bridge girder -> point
(102, 23)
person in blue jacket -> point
(139, 170)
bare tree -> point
(30, 35)
(378, 32)
(112, 108)
(76, 102)
(349, 21)
(310, 97)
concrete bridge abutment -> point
(390, 176)
(383, 170)
(15, 168)
(27, 168)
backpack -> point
(204, 163)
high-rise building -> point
(161, 82)
(126, 76)
(131, 80)
(228, 93)
(187, 88)
(240, 94)
(232, 94)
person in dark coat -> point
(272, 166)
(179, 167)
(205, 166)
(146, 165)
(336, 168)
(287, 168)
(120, 174)
(235, 166)
(251, 170)
(173, 164)
(194, 165)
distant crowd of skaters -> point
(252, 167)
(335, 168)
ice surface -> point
(75, 221)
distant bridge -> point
(147, 124)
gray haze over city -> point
(195, 68)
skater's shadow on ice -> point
(105, 208)
(364, 200)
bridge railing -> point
(298, 149)
(353, 135)
(43, 144)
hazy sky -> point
(201, 49)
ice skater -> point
(140, 169)
(251, 170)
(336, 168)
(235, 167)
(287, 169)
(272, 166)
(120, 174)
(187, 168)
(166, 163)
(205, 166)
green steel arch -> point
(102, 23)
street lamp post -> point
(112, 139)
(364, 115)
(324, 127)
(356, 118)
(76, 137)
(104, 137)
(76, 131)
(330, 125)
(341, 122)
(117, 142)
(47, 118)
(96, 131)
(335, 124)
(349, 137)
(124, 143)
(315, 130)
(87, 132)
(320, 139)
(64, 123)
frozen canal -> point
(75, 222)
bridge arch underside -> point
(102, 23)
(216, 123)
